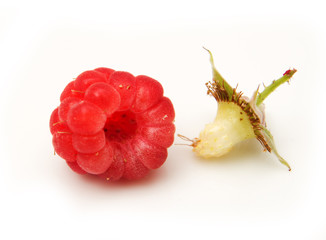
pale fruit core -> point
(230, 127)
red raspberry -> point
(112, 124)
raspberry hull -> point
(113, 124)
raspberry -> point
(113, 124)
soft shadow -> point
(249, 150)
(153, 176)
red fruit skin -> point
(148, 93)
(125, 84)
(115, 171)
(134, 169)
(65, 107)
(62, 143)
(87, 78)
(86, 118)
(160, 135)
(75, 167)
(104, 96)
(113, 125)
(160, 114)
(106, 71)
(117, 167)
(96, 163)
(56, 125)
(88, 143)
(151, 155)
(70, 91)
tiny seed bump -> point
(125, 160)
(108, 179)
(96, 154)
(165, 116)
(120, 86)
(241, 119)
(128, 87)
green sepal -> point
(270, 140)
(218, 79)
(276, 83)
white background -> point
(245, 195)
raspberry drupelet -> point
(113, 124)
